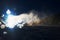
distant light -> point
(4, 32)
(3, 15)
(2, 26)
(8, 11)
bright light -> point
(4, 32)
(13, 21)
(10, 21)
(8, 11)
(20, 20)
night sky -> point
(21, 6)
(31, 33)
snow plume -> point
(22, 19)
(31, 19)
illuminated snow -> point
(14, 20)
(21, 20)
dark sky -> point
(22, 6)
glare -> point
(8, 11)
(10, 21)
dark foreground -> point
(31, 33)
